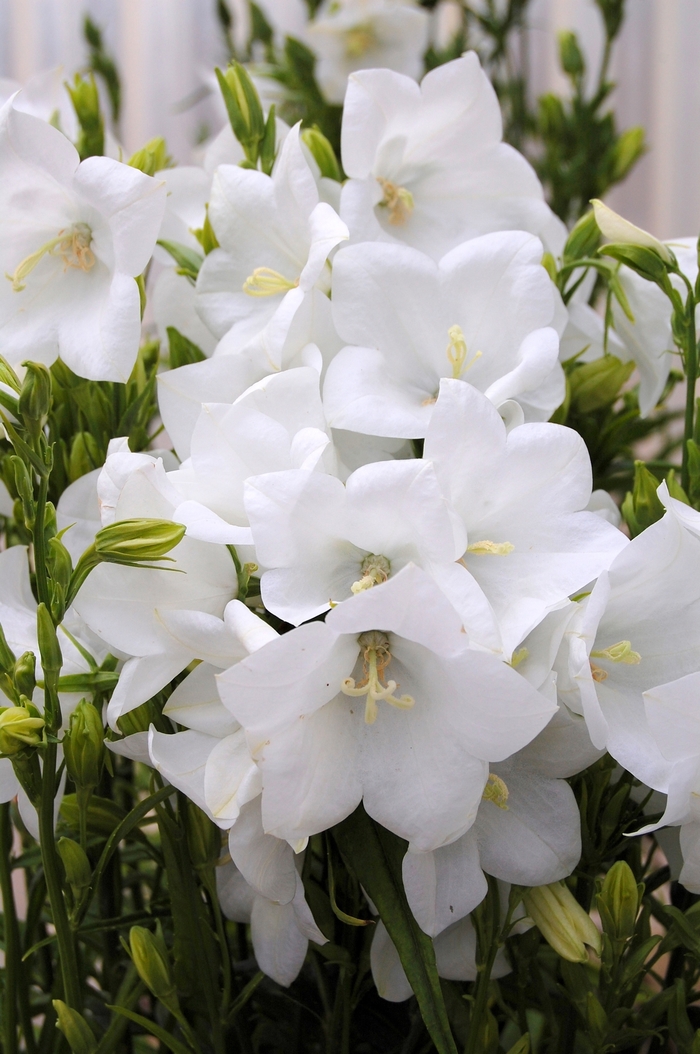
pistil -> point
(72, 244)
(377, 656)
(398, 201)
(457, 352)
(266, 282)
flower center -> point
(374, 570)
(487, 548)
(377, 656)
(397, 200)
(359, 40)
(72, 244)
(457, 352)
(621, 652)
(496, 791)
(266, 282)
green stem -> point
(691, 371)
(54, 887)
(488, 931)
(12, 950)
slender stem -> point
(64, 935)
(488, 943)
(12, 950)
(691, 371)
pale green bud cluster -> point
(152, 962)
(562, 921)
(83, 746)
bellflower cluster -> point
(389, 589)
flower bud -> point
(8, 376)
(243, 107)
(49, 648)
(153, 965)
(584, 238)
(642, 507)
(597, 384)
(83, 746)
(19, 728)
(627, 150)
(86, 103)
(75, 1028)
(322, 152)
(75, 864)
(130, 541)
(570, 55)
(618, 901)
(25, 674)
(562, 921)
(35, 397)
(622, 232)
(151, 158)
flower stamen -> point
(375, 570)
(72, 244)
(620, 652)
(397, 200)
(488, 548)
(266, 282)
(457, 352)
(496, 791)
(377, 656)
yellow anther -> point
(519, 656)
(487, 548)
(496, 791)
(377, 656)
(598, 674)
(375, 570)
(397, 200)
(620, 652)
(457, 352)
(266, 282)
(359, 40)
(71, 244)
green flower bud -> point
(75, 864)
(627, 150)
(130, 541)
(562, 921)
(7, 656)
(203, 838)
(644, 249)
(243, 107)
(642, 507)
(153, 965)
(19, 728)
(60, 563)
(49, 648)
(597, 384)
(35, 397)
(618, 901)
(583, 240)
(8, 376)
(570, 56)
(83, 746)
(86, 103)
(206, 236)
(25, 674)
(322, 152)
(152, 158)
(75, 1028)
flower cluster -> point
(391, 586)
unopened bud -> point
(75, 864)
(35, 397)
(49, 648)
(83, 746)
(130, 541)
(618, 901)
(570, 55)
(642, 506)
(623, 233)
(584, 238)
(25, 674)
(562, 921)
(153, 965)
(152, 158)
(75, 1028)
(627, 150)
(322, 152)
(206, 236)
(86, 103)
(60, 563)
(20, 727)
(597, 384)
(243, 107)
(9, 377)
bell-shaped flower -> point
(323, 541)
(638, 629)
(350, 35)
(275, 237)
(427, 164)
(410, 322)
(522, 496)
(382, 703)
(73, 237)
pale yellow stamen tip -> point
(71, 244)
(457, 352)
(598, 674)
(375, 570)
(377, 656)
(496, 791)
(519, 656)
(266, 282)
(397, 200)
(620, 652)
(487, 548)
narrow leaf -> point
(160, 1033)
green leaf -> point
(374, 855)
(183, 351)
(521, 1046)
(187, 259)
(160, 1033)
(245, 995)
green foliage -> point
(101, 63)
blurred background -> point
(165, 51)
